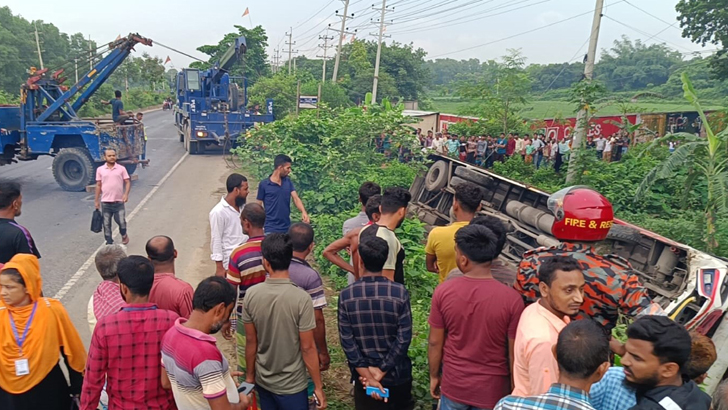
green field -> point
(563, 109)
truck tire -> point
(196, 148)
(436, 177)
(624, 234)
(130, 168)
(74, 169)
(470, 174)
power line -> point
(651, 15)
(521, 33)
(407, 30)
(644, 33)
(315, 14)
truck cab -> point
(212, 105)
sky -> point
(459, 29)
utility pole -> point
(582, 120)
(342, 33)
(326, 47)
(379, 52)
(37, 44)
(75, 63)
(290, 44)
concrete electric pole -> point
(290, 44)
(342, 33)
(326, 47)
(582, 119)
(379, 52)
(37, 44)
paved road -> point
(60, 220)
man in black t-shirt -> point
(14, 238)
(393, 211)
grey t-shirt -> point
(356, 222)
(280, 310)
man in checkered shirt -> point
(126, 347)
(582, 352)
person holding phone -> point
(194, 368)
(375, 329)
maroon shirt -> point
(173, 294)
(479, 316)
(510, 146)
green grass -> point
(564, 109)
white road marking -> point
(82, 270)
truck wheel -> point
(181, 136)
(186, 137)
(196, 148)
(130, 168)
(436, 177)
(624, 234)
(474, 176)
(74, 169)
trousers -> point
(117, 211)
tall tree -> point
(706, 21)
(255, 62)
(633, 65)
(500, 92)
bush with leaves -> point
(333, 154)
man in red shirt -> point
(473, 325)
(510, 145)
(168, 291)
(112, 191)
(126, 347)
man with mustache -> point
(226, 231)
(561, 285)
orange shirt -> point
(535, 367)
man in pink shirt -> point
(112, 191)
(561, 284)
(168, 292)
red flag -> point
(167, 60)
(246, 12)
(353, 37)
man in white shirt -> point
(439, 144)
(226, 231)
(607, 154)
(600, 142)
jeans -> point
(117, 211)
(272, 401)
(447, 404)
(537, 158)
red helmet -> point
(581, 214)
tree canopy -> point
(706, 22)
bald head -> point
(160, 250)
(255, 214)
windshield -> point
(193, 80)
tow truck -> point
(46, 122)
(691, 285)
(211, 106)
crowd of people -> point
(533, 337)
(536, 149)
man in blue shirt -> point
(275, 193)
(117, 109)
(500, 148)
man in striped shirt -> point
(582, 352)
(306, 278)
(246, 269)
(194, 368)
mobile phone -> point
(371, 390)
(316, 400)
(246, 388)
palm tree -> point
(708, 159)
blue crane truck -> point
(46, 123)
(211, 106)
